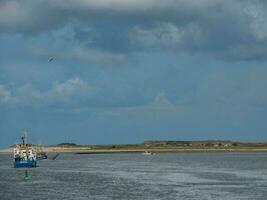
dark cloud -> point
(222, 29)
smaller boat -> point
(146, 153)
(41, 154)
(24, 154)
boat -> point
(41, 154)
(146, 153)
(24, 153)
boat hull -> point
(25, 163)
(41, 158)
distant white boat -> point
(146, 153)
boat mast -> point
(26, 132)
(25, 142)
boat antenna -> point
(23, 142)
(26, 132)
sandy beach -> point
(85, 150)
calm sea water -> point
(135, 176)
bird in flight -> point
(51, 59)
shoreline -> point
(77, 150)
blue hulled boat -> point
(24, 154)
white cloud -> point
(9, 12)
(96, 56)
(61, 94)
(158, 104)
(5, 95)
(116, 5)
(258, 20)
(161, 101)
(164, 35)
(66, 91)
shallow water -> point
(135, 176)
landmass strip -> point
(156, 146)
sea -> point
(181, 176)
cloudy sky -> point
(132, 70)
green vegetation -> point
(164, 144)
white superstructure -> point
(23, 151)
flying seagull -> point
(51, 59)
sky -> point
(125, 71)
